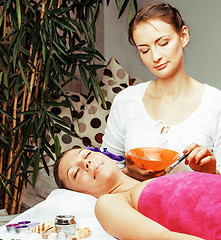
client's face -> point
(88, 172)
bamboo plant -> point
(44, 44)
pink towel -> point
(185, 202)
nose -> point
(156, 55)
(87, 164)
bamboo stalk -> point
(2, 194)
(31, 83)
(12, 208)
(4, 104)
(8, 175)
(59, 3)
(2, 134)
(20, 197)
(18, 147)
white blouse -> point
(130, 126)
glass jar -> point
(65, 224)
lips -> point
(97, 169)
(161, 66)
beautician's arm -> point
(119, 219)
(134, 171)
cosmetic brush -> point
(172, 166)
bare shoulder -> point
(136, 191)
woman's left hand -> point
(200, 159)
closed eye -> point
(164, 44)
(87, 155)
(143, 51)
(75, 175)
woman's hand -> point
(200, 159)
(134, 171)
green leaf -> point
(20, 125)
(5, 7)
(40, 122)
(65, 24)
(84, 77)
(6, 79)
(130, 12)
(18, 8)
(58, 85)
(23, 76)
(5, 113)
(95, 11)
(29, 112)
(47, 151)
(55, 117)
(1, 74)
(85, 32)
(36, 168)
(4, 140)
(5, 188)
(123, 7)
(47, 74)
(60, 48)
(59, 11)
(45, 164)
(57, 146)
(65, 130)
(25, 51)
(118, 4)
(58, 55)
(91, 36)
(100, 92)
(30, 6)
(108, 1)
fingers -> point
(197, 153)
(190, 148)
(134, 171)
(200, 158)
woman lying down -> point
(178, 206)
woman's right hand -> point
(134, 171)
(200, 159)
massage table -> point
(60, 202)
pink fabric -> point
(185, 202)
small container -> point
(32, 225)
(21, 229)
(65, 224)
(11, 227)
(24, 222)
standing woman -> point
(173, 111)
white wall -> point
(202, 55)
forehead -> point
(68, 160)
(151, 29)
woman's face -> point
(88, 172)
(160, 47)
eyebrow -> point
(158, 39)
(72, 165)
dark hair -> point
(58, 180)
(161, 10)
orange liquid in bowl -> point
(155, 159)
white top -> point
(130, 126)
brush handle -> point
(172, 166)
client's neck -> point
(124, 184)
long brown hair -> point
(58, 180)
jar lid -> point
(65, 220)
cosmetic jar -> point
(65, 224)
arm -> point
(122, 221)
(134, 171)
